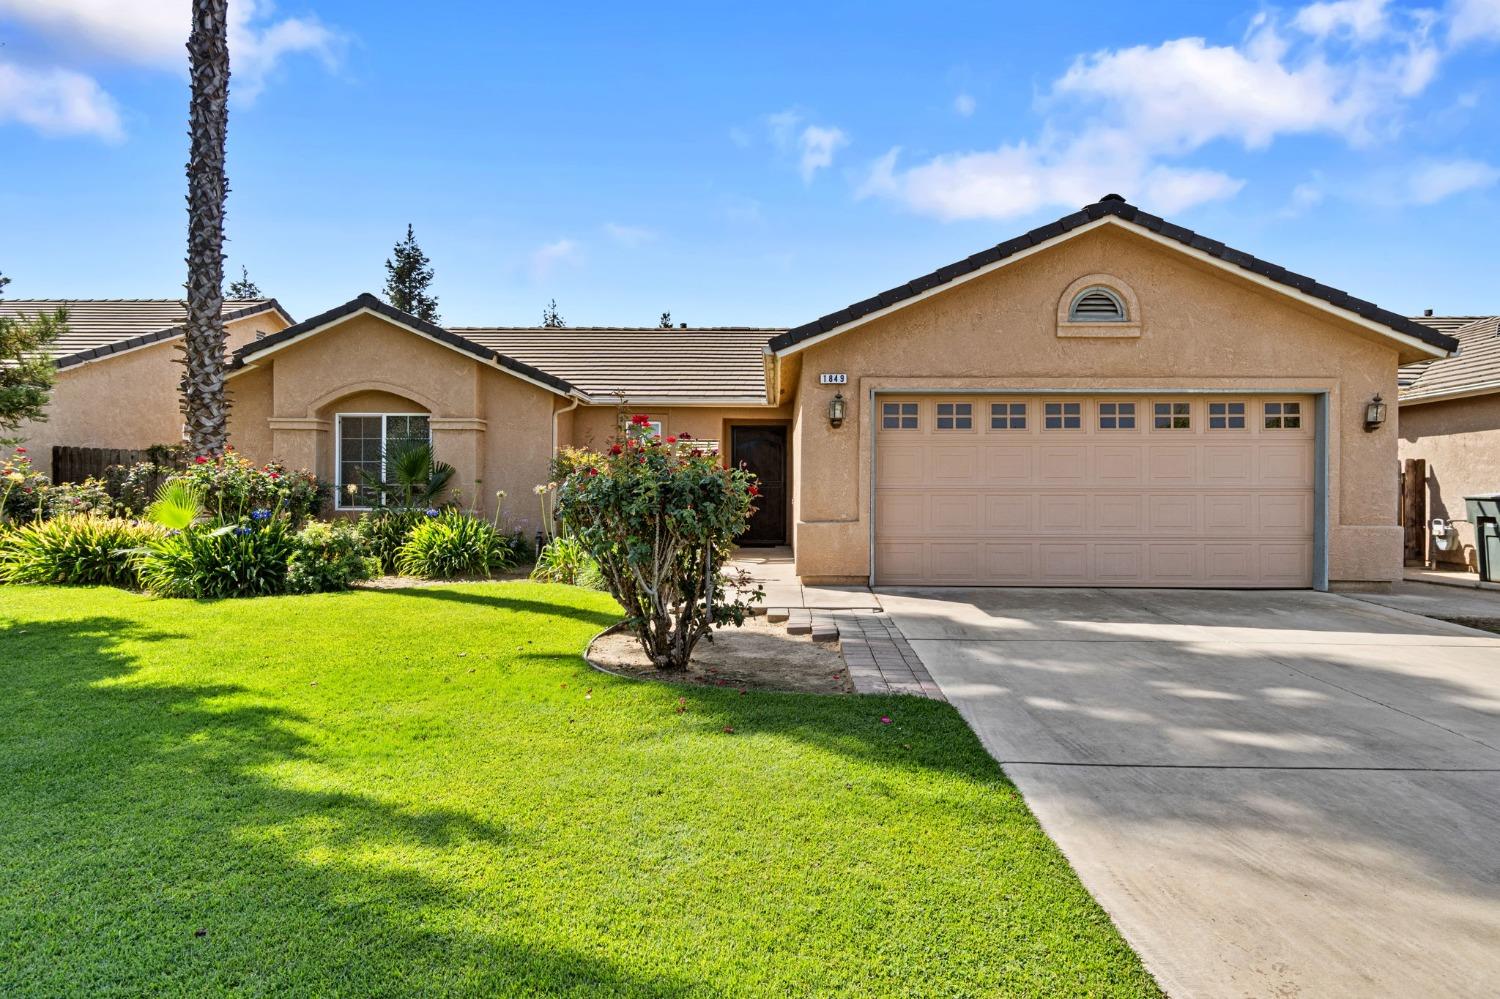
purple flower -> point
(242, 529)
(432, 511)
(260, 514)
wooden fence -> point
(1413, 511)
(74, 464)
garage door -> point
(1204, 491)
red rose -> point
(671, 440)
(615, 449)
(275, 475)
(640, 420)
(685, 437)
(697, 452)
(755, 490)
(20, 450)
(200, 460)
(593, 471)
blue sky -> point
(761, 164)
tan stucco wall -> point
(1460, 441)
(1200, 328)
(595, 426)
(495, 429)
(128, 400)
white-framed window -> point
(955, 416)
(362, 441)
(1283, 415)
(1226, 416)
(898, 416)
(1062, 416)
(1007, 416)
(1097, 305)
(1172, 416)
(1117, 416)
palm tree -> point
(203, 405)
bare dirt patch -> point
(758, 656)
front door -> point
(762, 450)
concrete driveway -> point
(1273, 794)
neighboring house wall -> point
(1460, 441)
(128, 400)
(1200, 329)
(495, 429)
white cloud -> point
(57, 102)
(546, 259)
(1305, 197)
(964, 105)
(629, 235)
(1474, 21)
(1123, 119)
(1432, 182)
(1363, 19)
(155, 32)
(818, 144)
(813, 146)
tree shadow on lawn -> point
(493, 600)
(139, 812)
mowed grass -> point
(427, 791)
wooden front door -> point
(762, 450)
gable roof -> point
(1474, 370)
(100, 327)
(720, 364)
(1114, 209)
(367, 303)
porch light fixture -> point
(1374, 413)
(836, 407)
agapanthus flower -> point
(260, 514)
(431, 511)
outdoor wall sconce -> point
(1374, 413)
(836, 410)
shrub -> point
(328, 557)
(91, 496)
(384, 532)
(74, 549)
(228, 560)
(660, 519)
(233, 486)
(452, 543)
(564, 560)
(177, 505)
(21, 487)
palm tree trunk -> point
(204, 408)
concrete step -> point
(776, 615)
(799, 622)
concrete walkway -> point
(1272, 794)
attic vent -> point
(1097, 305)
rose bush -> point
(21, 487)
(660, 519)
(234, 485)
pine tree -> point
(3, 282)
(551, 318)
(205, 410)
(666, 321)
(243, 289)
(407, 275)
(26, 368)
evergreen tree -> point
(243, 288)
(407, 275)
(666, 321)
(3, 282)
(26, 368)
(551, 318)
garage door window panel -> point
(1172, 416)
(955, 416)
(1062, 416)
(1227, 416)
(1283, 415)
(1117, 416)
(899, 416)
(1007, 416)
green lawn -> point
(427, 791)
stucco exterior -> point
(1460, 441)
(1200, 329)
(494, 428)
(127, 400)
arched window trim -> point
(1122, 310)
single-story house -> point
(1106, 400)
(1450, 417)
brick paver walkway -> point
(879, 658)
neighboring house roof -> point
(366, 302)
(1474, 370)
(720, 364)
(103, 326)
(1114, 209)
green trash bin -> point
(1484, 514)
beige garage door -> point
(1094, 491)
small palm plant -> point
(414, 477)
(177, 505)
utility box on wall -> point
(1484, 514)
